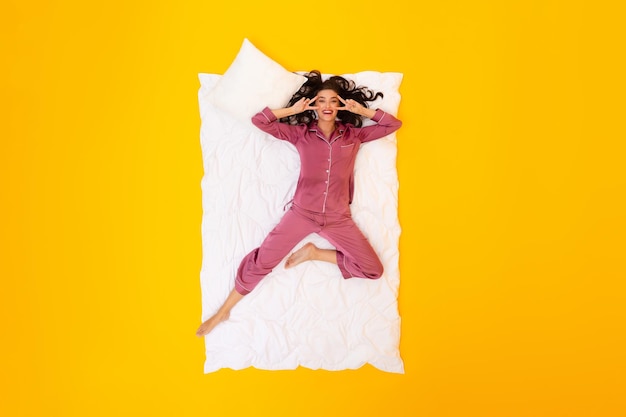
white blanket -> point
(309, 315)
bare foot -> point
(206, 327)
(305, 253)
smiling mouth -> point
(327, 112)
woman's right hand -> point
(304, 104)
(301, 105)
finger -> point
(353, 103)
(344, 102)
(313, 100)
(349, 105)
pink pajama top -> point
(326, 164)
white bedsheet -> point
(309, 315)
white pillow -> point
(253, 81)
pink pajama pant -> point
(355, 255)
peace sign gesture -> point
(304, 104)
(356, 108)
(352, 106)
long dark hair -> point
(347, 89)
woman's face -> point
(327, 103)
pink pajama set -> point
(321, 203)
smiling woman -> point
(322, 121)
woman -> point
(323, 121)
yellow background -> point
(511, 164)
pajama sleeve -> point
(385, 125)
(267, 122)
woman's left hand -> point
(351, 105)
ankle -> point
(314, 253)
